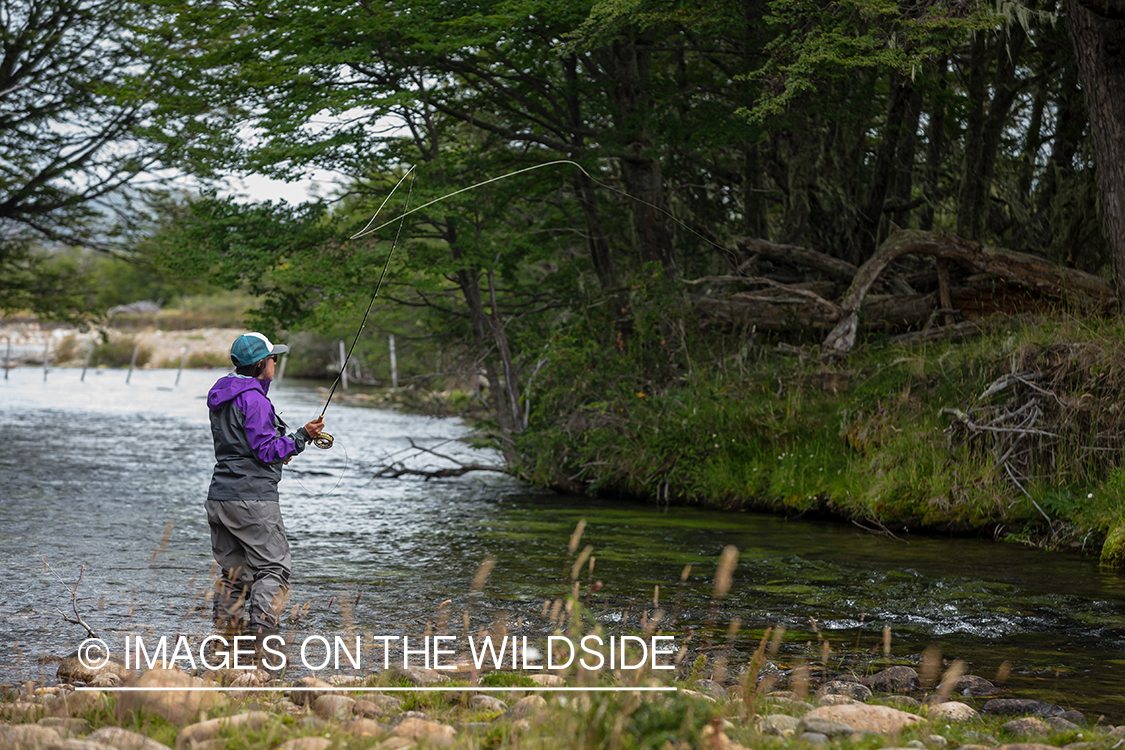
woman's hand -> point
(315, 427)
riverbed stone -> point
(1027, 726)
(1026, 746)
(970, 684)
(177, 706)
(306, 743)
(834, 699)
(525, 708)
(952, 711)
(854, 690)
(823, 725)
(1075, 716)
(980, 738)
(394, 721)
(76, 743)
(1058, 722)
(935, 741)
(376, 705)
(308, 692)
(72, 669)
(65, 726)
(21, 711)
(779, 724)
(860, 717)
(900, 701)
(333, 707)
(27, 736)
(396, 743)
(192, 735)
(365, 728)
(420, 676)
(72, 704)
(487, 703)
(123, 739)
(1020, 707)
(435, 734)
(106, 680)
(814, 738)
(893, 680)
(548, 680)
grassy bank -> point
(1014, 433)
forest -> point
(642, 224)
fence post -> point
(343, 369)
(132, 362)
(394, 362)
(183, 358)
(46, 358)
(89, 354)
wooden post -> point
(132, 362)
(394, 362)
(89, 354)
(46, 358)
(281, 368)
(343, 369)
(183, 358)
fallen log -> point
(1067, 285)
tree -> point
(1098, 31)
(76, 82)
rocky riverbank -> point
(890, 708)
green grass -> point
(866, 439)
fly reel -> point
(323, 440)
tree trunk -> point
(1098, 30)
(935, 148)
(971, 195)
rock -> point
(306, 743)
(177, 706)
(1117, 731)
(697, 694)
(1026, 746)
(952, 711)
(1058, 722)
(105, 680)
(343, 680)
(853, 690)
(814, 738)
(65, 726)
(74, 743)
(893, 680)
(779, 724)
(864, 718)
(395, 743)
(1075, 716)
(72, 704)
(21, 711)
(982, 738)
(548, 680)
(71, 668)
(396, 720)
(365, 728)
(972, 685)
(935, 741)
(1028, 725)
(1080, 746)
(711, 688)
(820, 725)
(525, 708)
(250, 678)
(902, 701)
(307, 692)
(487, 703)
(420, 676)
(315, 723)
(833, 699)
(433, 733)
(207, 730)
(376, 705)
(916, 745)
(27, 736)
(333, 707)
(123, 739)
(1020, 706)
(975, 747)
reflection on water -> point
(93, 472)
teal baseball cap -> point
(250, 348)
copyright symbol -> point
(93, 654)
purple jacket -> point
(250, 440)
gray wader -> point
(248, 541)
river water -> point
(108, 478)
